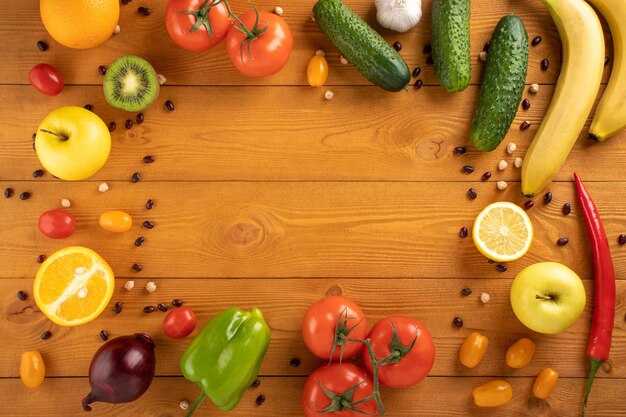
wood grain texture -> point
(292, 133)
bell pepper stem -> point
(595, 365)
(195, 405)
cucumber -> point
(503, 83)
(450, 42)
(362, 45)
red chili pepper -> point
(603, 320)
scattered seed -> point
(139, 241)
(294, 363)
(118, 307)
(117, 29)
(486, 176)
(148, 159)
(256, 383)
(416, 72)
(511, 147)
(467, 169)
(320, 52)
(139, 118)
(126, 1)
(8, 192)
(502, 165)
(545, 64)
(483, 56)
(607, 60)
(460, 150)
(466, 291)
(328, 95)
(38, 173)
(457, 322)
(536, 41)
(21, 295)
(430, 61)
(260, 399)
(25, 195)
(463, 233)
(150, 204)
(526, 104)
(148, 224)
(136, 177)
(502, 185)
(151, 287)
(418, 84)
(501, 268)
(42, 46)
(562, 241)
(397, 46)
(177, 303)
(103, 188)
(472, 194)
(129, 285)
(161, 79)
(136, 267)
(484, 298)
(567, 208)
(102, 70)
(46, 335)
(184, 404)
(278, 10)
(547, 198)
(162, 307)
(88, 107)
(41, 258)
(621, 239)
(427, 49)
(490, 261)
(148, 309)
(486, 47)
(144, 11)
(518, 162)
(104, 335)
(529, 204)
(169, 105)
(525, 125)
(128, 124)
(343, 60)
(534, 88)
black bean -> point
(148, 224)
(118, 307)
(460, 150)
(536, 41)
(150, 204)
(25, 195)
(144, 11)
(486, 47)
(139, 241)
(562, 241)
(162, 307)
(486, 176)
(501, 268)
(418, 84)
(471, 193)
(139, 118)
(38, 173)
(46, 335)
(112, 126)
(260, 399)
(525, 125)
(256, 383)
(457, 322)
(102, 70)
(427, 49)
(397, 46)
(148, 309)
(8, 192)
(463, 233)
(529, 204)
(491, 261)
(567, 208)
(136, 267)
(545, 64)
(42, 46)
(607, 60)
(169, 105)
(104, 335)
(430, 61)
(126, 1)
(177, 302)
(148, 159)
(467, 169)
(416, 72)
(41, 258)
(21, 295)
(621, 239)
(136, 177)
(466, 291)
(547, 198)
(526, 104)
(294, 363)
(128, 124)
(88, 107)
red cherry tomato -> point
(320, 322)
(180, 25)
(415, 365)
(338, 379)
(179, 323)
(267, 53)
(57, 224)
(46, 79)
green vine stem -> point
(196, 404)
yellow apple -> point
(72, 143)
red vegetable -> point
(46, 79)
(599, 343)
(121, 370)
(179, 323)
(57, 224)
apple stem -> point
(544, 297)
(55, 134)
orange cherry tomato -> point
(116, 221)
(32, 369)
(317, 71)
(473, 350)
(520, 353)
(493, 394)
(545, 383)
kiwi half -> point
(131, 83)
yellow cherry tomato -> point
(520, 353)
(545, 383)
(116, 221)
(493, 394)
(473, 350)
(32, 369)
(317, 71)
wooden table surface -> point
(268, 195)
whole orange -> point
(80, 24)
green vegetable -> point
(224, 359)
(503, 83)
(362, 45)
(450, 41)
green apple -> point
(72, 143)
(548, 297)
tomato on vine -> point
(197, 25)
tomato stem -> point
(251, 35)
(202, 15)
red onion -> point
(121, 370)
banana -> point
(610, 116)
(574, 95)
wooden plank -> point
(292, 229)
(283, 399)
(147, 37)
(287, 133)
(435, 302)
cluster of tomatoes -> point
(258, 43)
(334, 329)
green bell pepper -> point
(224, 359)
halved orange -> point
(73, 286)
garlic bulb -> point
(398, 15)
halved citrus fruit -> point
(502, 232)
(73, 286)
